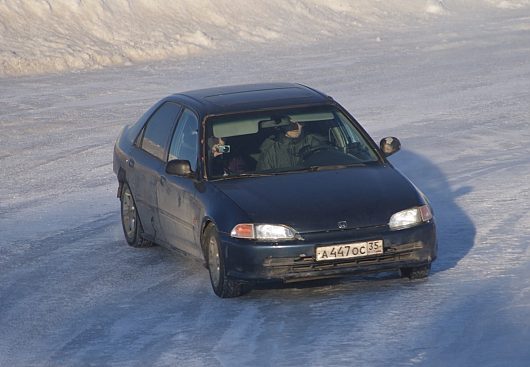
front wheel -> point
(132, 228)
(223, 286)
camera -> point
(223, 148)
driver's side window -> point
(184, 143)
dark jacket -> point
(286, 153)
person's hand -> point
(295, 133)
(215, 147)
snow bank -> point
(41, 36)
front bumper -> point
(295, 260)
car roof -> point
(247, 97)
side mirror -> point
(389, 145)
(179, 167)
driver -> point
(286, 151)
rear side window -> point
(159, 128)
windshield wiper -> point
(256, 174)
(294, 170)
(245, 175)
(339, 166)
(327, 167)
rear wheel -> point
(132, 228)
(223, 286)
(416, 272)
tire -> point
(223, 286)
(417, 272)
(130, 222)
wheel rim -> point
(128, 214)
(214, 263)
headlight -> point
(410, 217)
(264, 232)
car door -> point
(146, 162)
(177, 203)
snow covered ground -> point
(40, 36)
(451, 79)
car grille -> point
(308, 263)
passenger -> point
(287, 150)
(223, 161)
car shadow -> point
(455, 229)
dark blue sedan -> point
(269, 182)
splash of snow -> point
(511, 4)
(435, 7)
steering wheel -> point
(326, 155)
(308, 152)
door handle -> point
(130, 162)
(163, 180)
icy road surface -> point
(457, 94)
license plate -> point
(349, 250)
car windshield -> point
(282, 141)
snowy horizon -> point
(50, 36)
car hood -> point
(318, 201)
